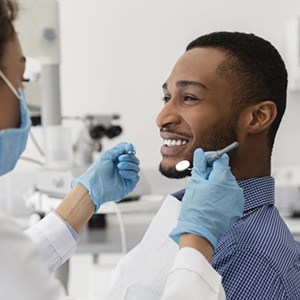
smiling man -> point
(226, 87)
(198, 109)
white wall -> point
(116, 55)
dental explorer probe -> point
(185, 164)
(132, 152)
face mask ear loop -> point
(9, 84)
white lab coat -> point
(192, 277)
(23, 275)
(54, 241)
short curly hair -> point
(254, 68)
(8, 13)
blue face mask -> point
(13, 140)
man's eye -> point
(190, 98)
(25, 79)
(166, 99)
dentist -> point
(25, 258)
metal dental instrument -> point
(185, 164)
(132, 152)
(219, 153)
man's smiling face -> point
(197, 110)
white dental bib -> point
(142, 273)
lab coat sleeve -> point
(54, 240)
(192, 277)
(22, 274)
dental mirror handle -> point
(211, 158)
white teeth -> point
(172, 143)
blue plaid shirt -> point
(258, 257)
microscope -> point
(96, 127)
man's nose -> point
(169, 115)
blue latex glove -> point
(112, 176)
(212, 202)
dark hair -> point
(8, 13)
(253, 66)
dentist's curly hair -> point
(254, 68)
(8, 13)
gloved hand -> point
(212, 202)
(112, 176)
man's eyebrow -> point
(185, 83)
(23, 59)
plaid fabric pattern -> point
(258, 257)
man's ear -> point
(260, 116)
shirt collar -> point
(257, 192)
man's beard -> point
(221, 136)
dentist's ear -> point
(260, 116)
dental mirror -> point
(185, 164)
